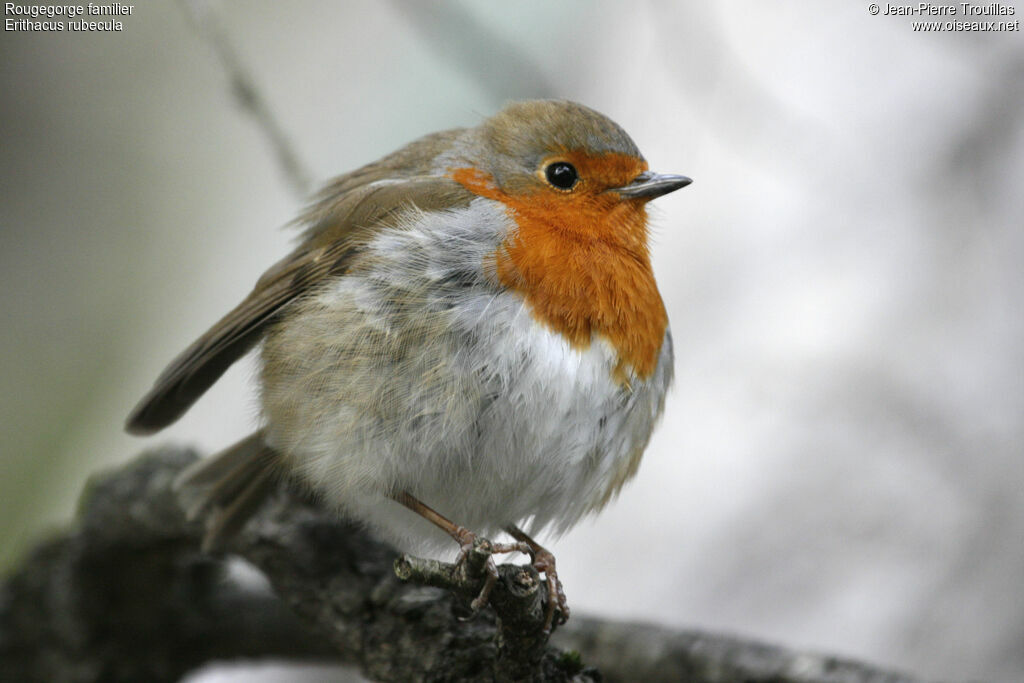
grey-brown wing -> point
(347, 221)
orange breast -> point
(581, 262)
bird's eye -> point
(561, 174)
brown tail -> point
(224, 490)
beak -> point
(649, 185)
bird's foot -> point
(476, 555)
(544, 562)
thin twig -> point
(206, 20)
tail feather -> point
(224, 490)
(225, 522)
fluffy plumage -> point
(454, 327)
(425, 375)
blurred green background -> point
(840, 463)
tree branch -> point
(207, 22)
(125, 595)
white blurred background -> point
(840, 464)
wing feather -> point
(344, 221)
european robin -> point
(469, 328)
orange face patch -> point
(580, 258)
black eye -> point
(561, 174)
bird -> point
(467, 339)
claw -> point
(544, 562)
(469, 541)
(490, 578)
